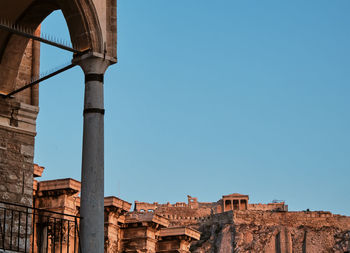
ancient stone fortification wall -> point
(273, 232)
(269, 207)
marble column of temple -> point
(237, 202)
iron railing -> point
(33, 230)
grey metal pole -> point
(92, 174)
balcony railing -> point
(33, 230)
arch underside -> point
(82, 21)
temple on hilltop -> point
(190, 213)
(66, 216)
(222, 226)
(231, 202)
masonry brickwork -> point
(17, 132)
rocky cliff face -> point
(274, 232)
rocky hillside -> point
(274, 232)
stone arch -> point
(82, 21)
(91, 26)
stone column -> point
(92, 174)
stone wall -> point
(17, 136)
(281, 206)
(17, 133)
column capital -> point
(93, 63)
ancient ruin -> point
(65, 215)
(124, 231)
(202, 226)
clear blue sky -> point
(212, 98)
